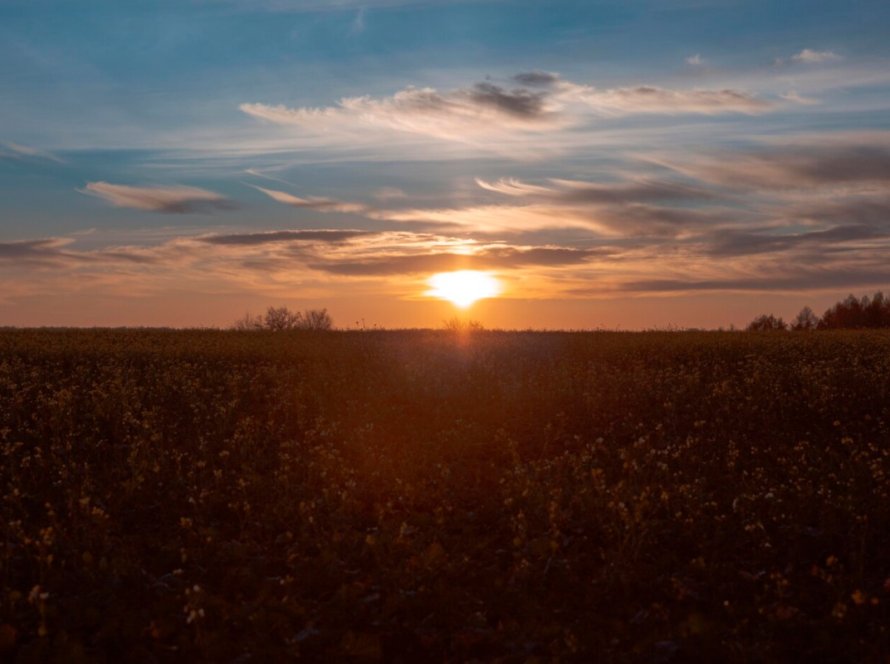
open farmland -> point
(430, 496)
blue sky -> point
(631, 164)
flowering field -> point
(431, 496)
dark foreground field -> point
(419, 496)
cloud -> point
(251, 239)
(653, 99)
(518, 103)
(320, 204)
(706, 253)
(809, 56)
(872, 210)
(795, 98)
(563, 204)
(695, 60)
(638, 206)
(626, 220)
(797, 165)
(486, 259)
(32, 250)
(513, 187)
(480, 108)
(575, 191)
(51, 251)
(389, 193)
(18, 151)
(488, 219)
(807, 279)
(488, 112)
(629, 208)
(279, 261)
(170, 200)
(736, 243)
(537, 78)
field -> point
(431, 496)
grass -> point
(438, 496)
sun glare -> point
(464, 287)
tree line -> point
(850, 313)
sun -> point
(464, 287)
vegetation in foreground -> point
(437, 496)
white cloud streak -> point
(488, 112)
(320, 204)
(809, 56)
(170, 200)
(652, 99)
(19, 151)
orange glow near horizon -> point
(464, 287)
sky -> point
(619, 165)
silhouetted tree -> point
(281, 318)
(248, 322)
(845, 314)
(457, 324)
(806, 320)
(854, 313)
(877, 312)
(316, 319)
(766, 322)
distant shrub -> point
(457, 324)
(765, 323)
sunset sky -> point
(629, 165)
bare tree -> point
(316, 319)
(248, 322)
(282, 318)
(806, 320)
(278, 319)
(765, 323)
(462, 325)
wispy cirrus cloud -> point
(742, 243)
(170, 199)
(32, 250)
(19, 151)
(538, 102)
(653, 99)
(801, 279)
(320, 204)
(639, 190)
(630, 100)
(627, 220)
(796, 164)
(272, 261)
(56, 251)
(270, 237)
(450, 115)
(696, 257)
(537, 78)
(810, 56)
(627, 208)
(494, 258)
